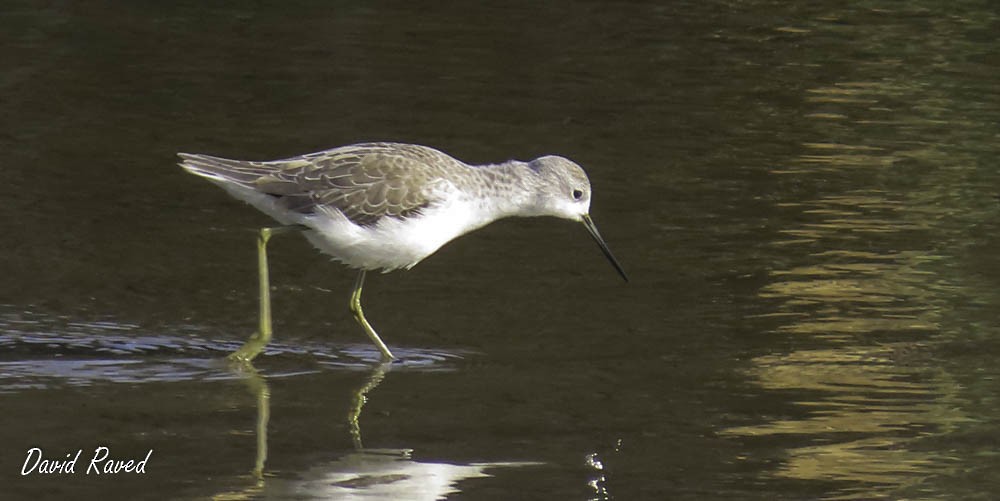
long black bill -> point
(589, 224)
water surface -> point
(804, 195)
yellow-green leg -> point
(359, 315)
(259, 339)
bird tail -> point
(222, 170)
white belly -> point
(392, 243)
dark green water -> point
(804, 194)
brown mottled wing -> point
(364, 182)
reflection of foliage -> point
(883, 246)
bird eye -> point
(577, 194)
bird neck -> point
(512, 188)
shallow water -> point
(805, 197)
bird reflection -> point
(262, 392)
(362, 473)
(359, 399)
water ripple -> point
(39, 351)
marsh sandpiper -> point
(385, 206)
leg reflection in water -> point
(366, 472)
(261, 390)
(359, 400)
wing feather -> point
(365, 182)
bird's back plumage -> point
(365, 182)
